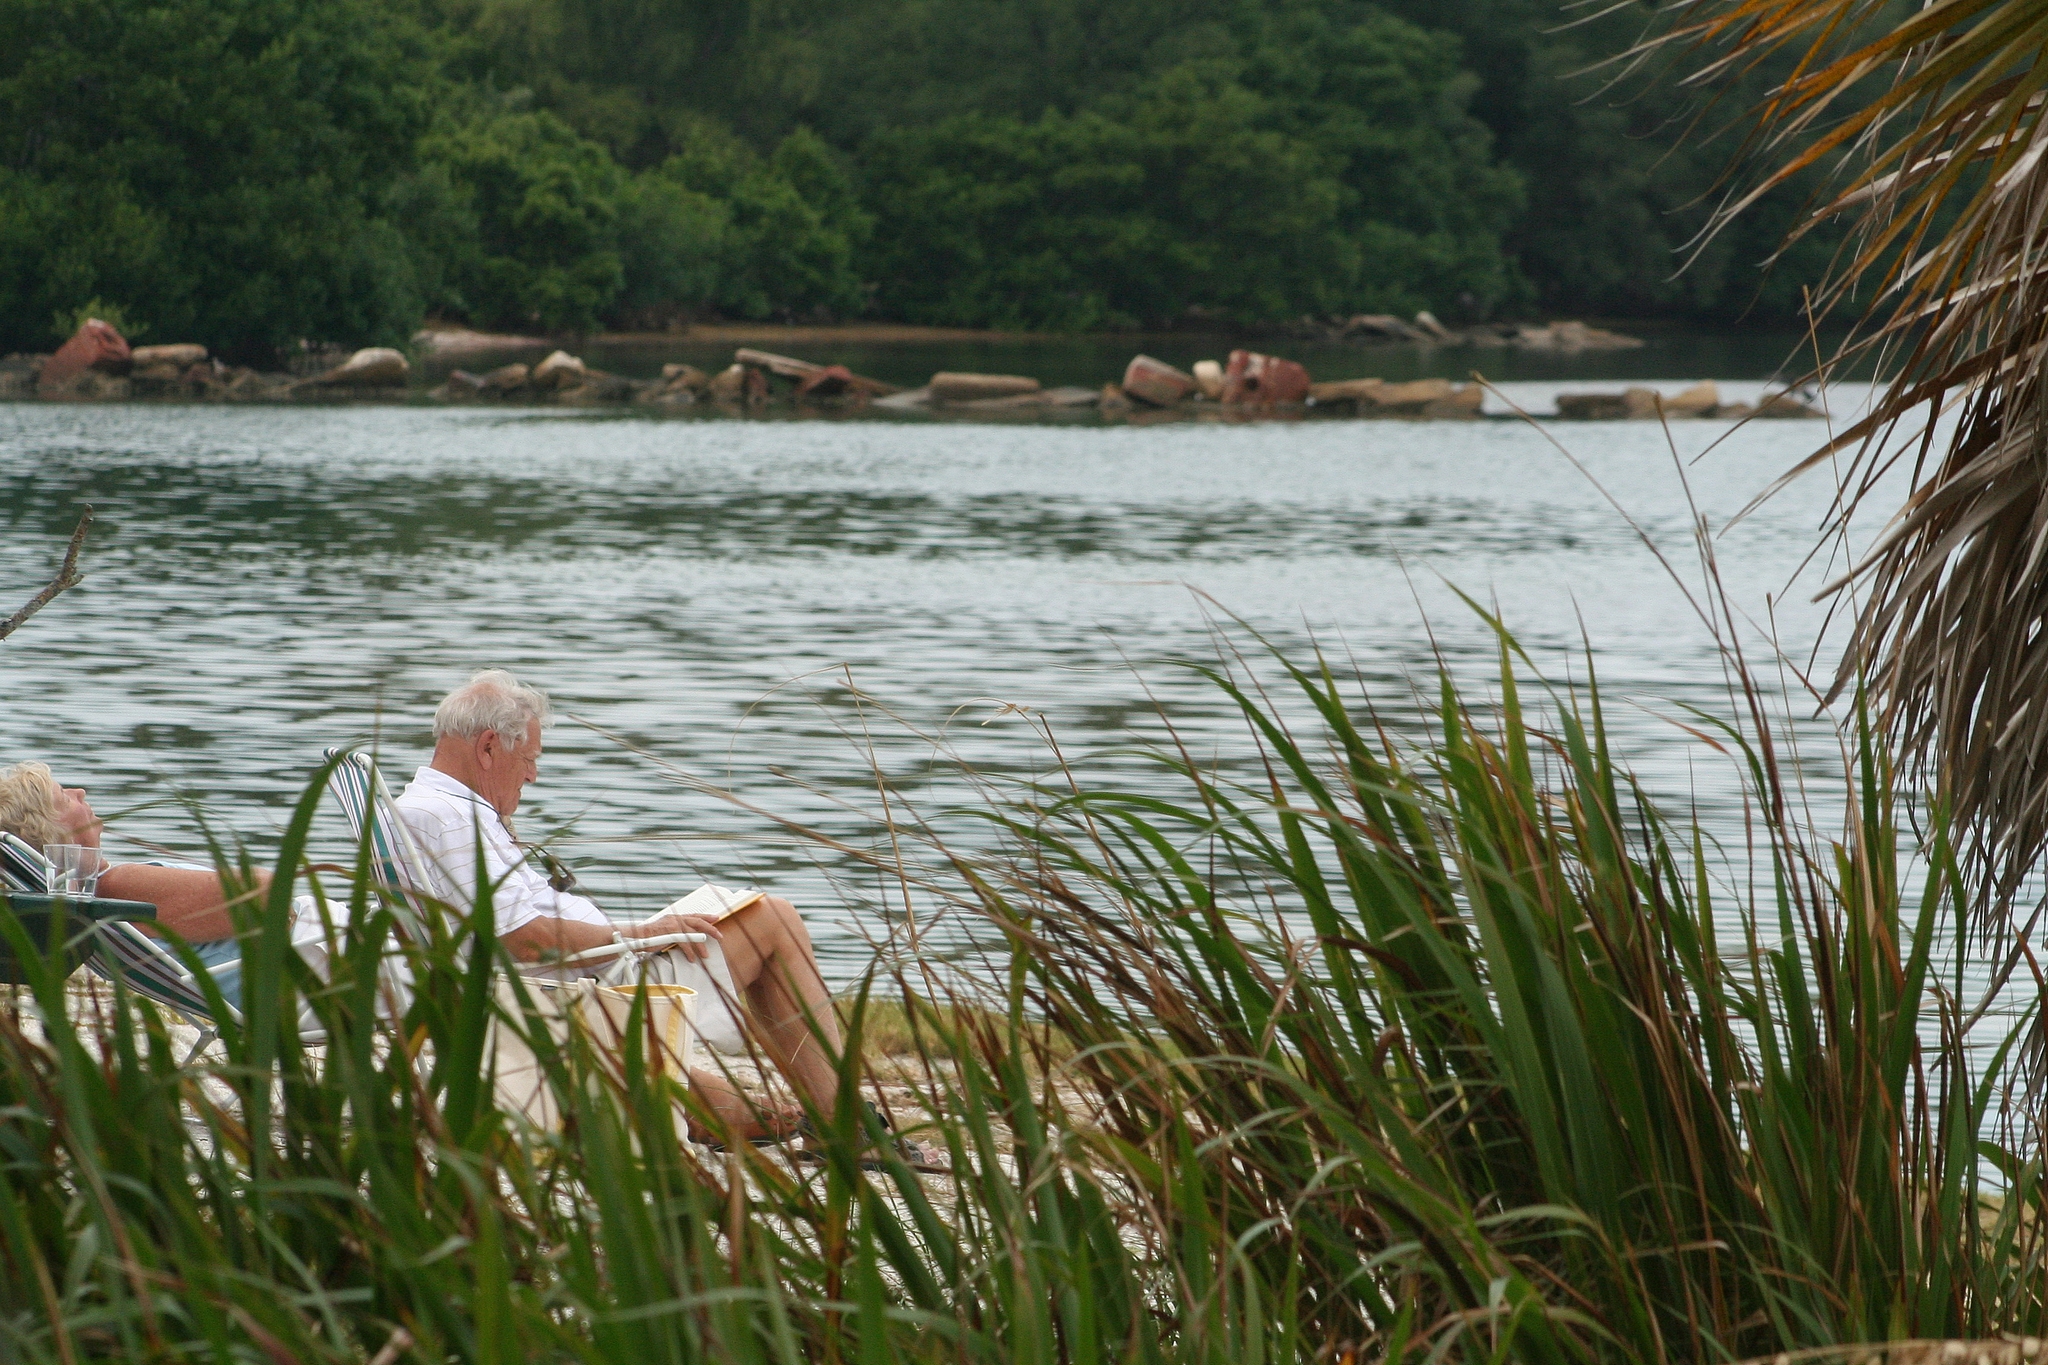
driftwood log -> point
(67, 577)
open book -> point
(714, 902)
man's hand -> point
(679, 924)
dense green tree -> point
(250, 173)
(1611, 196)
(794, 224)
(543, 205)
(1358, 183)
(224, 170)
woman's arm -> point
(187, 899)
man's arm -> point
(552, 937)
(188, 900)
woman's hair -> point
(492, 700)
(28, 804)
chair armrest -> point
(653, 944)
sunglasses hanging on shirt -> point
(559, 875)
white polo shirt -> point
(445, 818)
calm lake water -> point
(264, 582)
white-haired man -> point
(487, 747)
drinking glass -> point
(74, 871)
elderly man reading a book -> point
(487, 747)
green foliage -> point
(66, 323)
(221, 168)
(544, 208)
(793, 224)
(568, 164)
(1363, 187)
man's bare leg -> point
(769, 952)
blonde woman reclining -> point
(189, 901)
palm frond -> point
(1930, 120)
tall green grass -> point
(1454, 1051)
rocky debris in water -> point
(506, 378)
(949, 386)
(678, 387)
(462, 386)
(1465, 403)
(814, 380)
(240, 385)
(1263, 380)
(162, 379)
(1156, 382)
(1433, 399)
(1426, 323)
(18, 375)
(1775, 406)
(827, 381)
(373, 367)
(908, 398)
(1593, 407)
(597, 389)
(1572, 336)
(1113, 399)
(1701, 400)
(1209, 375)
(559, 371)
(1647, 405)
(184, 355)
(738, 383)
(1785, 405)
(1025, 402)
(95, 348)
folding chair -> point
(122, 953)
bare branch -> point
(67, 577)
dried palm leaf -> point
(1930, 120)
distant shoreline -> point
(448, 339)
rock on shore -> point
(1700, 401)
(1251, 379)
(950, 386)
(373, 367)
(95, 348)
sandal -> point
(798, 1125)
(925, 1157)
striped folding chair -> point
(122, 953)
(395, 860)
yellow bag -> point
(601, 1014)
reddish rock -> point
(1263, 380)
(1157, 382)
(827, 381)
(94, 346)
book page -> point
(714, 902)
